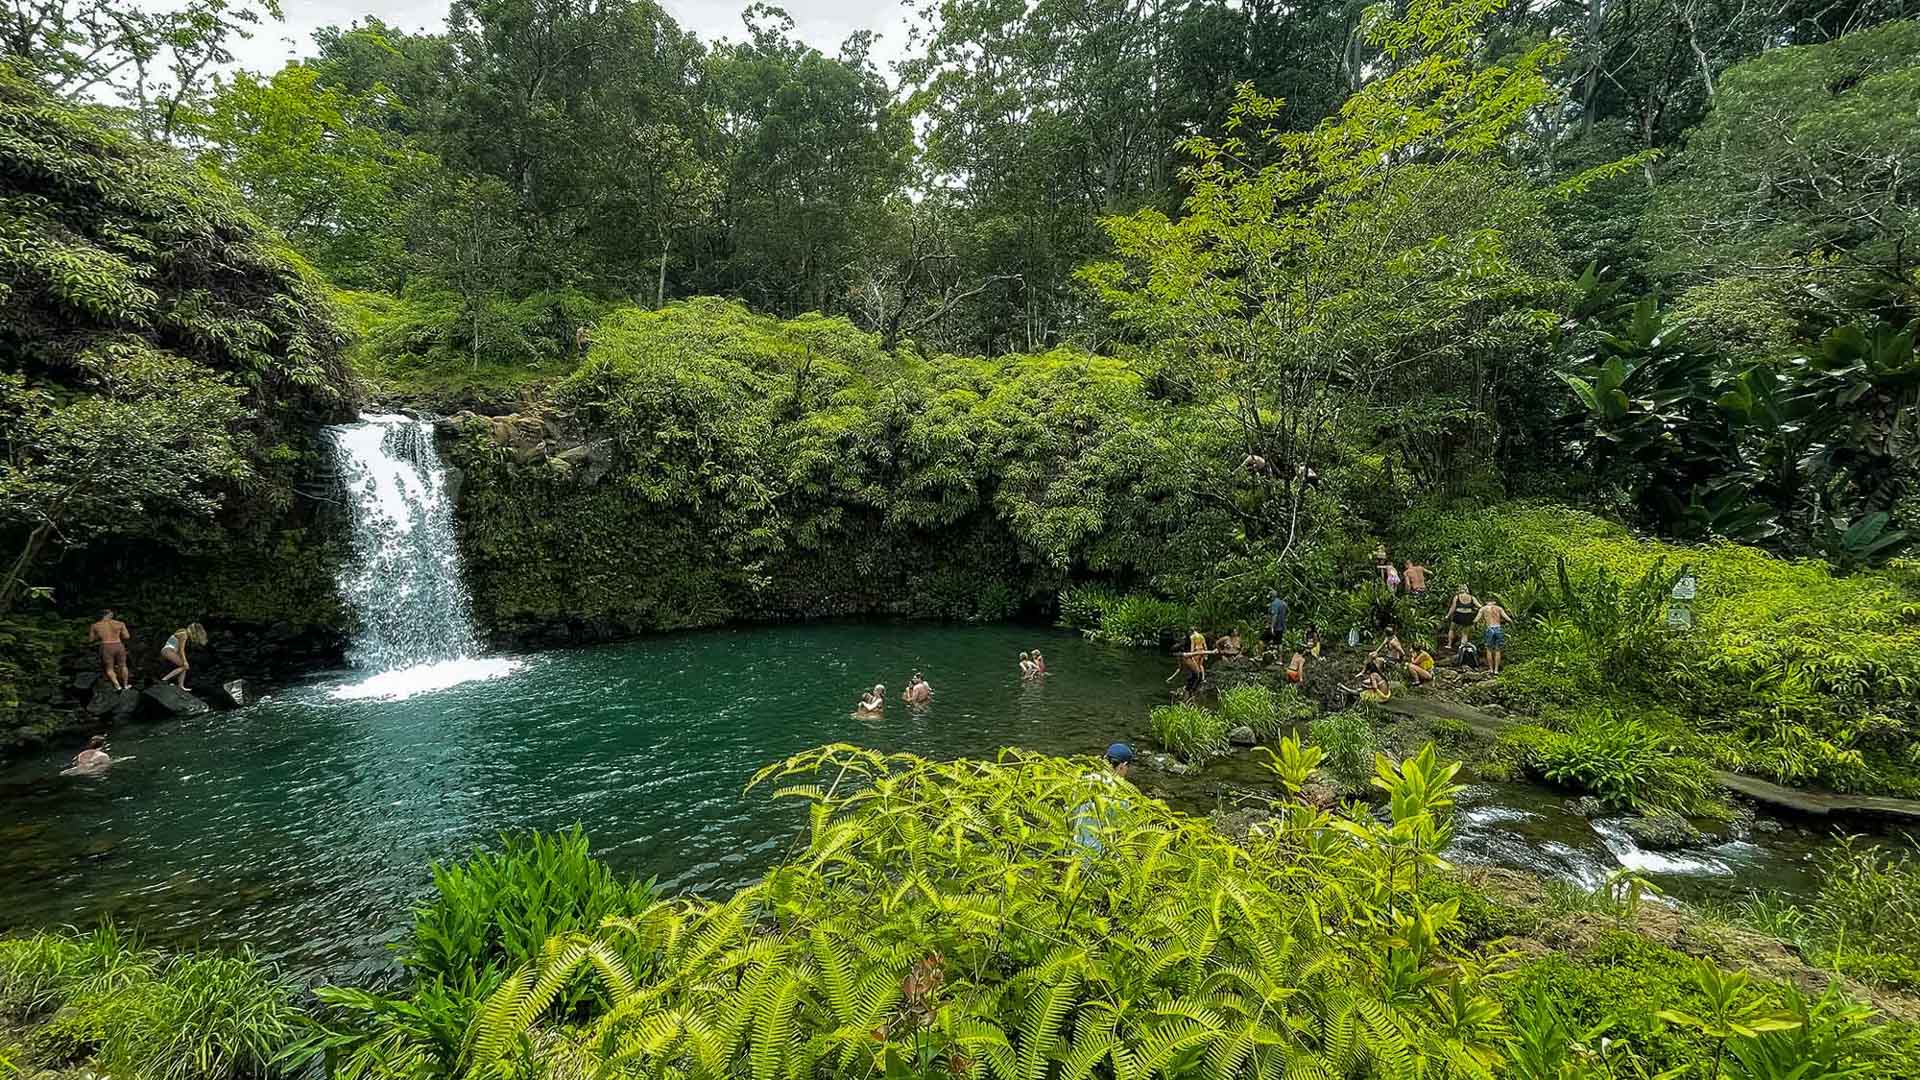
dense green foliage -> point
(704, 463)
(163, 360)
(1021, 919)
(1862, 922)
(140, 1013)
(1189, 730)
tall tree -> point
(316, 162)
(544, 95)
(1292, 291)
(813, 146)
(156, 62)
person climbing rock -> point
(1460, 619)
(175, 652)
(111, 635)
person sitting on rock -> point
(1373, 687)
(1228, 644)
(111, 635)
(175, 652)
(1391, 649)
(1420, 667)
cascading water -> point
(416, 622)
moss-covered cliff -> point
(706, 464)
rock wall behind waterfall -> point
(559, 549)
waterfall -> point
(404, 583)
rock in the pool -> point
(1242, 736)
(1662, 830)
(230, 694)
(115, 705)
(174, 701)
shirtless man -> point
(917, 692)
(1496, 619)
(1416, 577)
(111, 635)
(93, 758)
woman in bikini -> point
(1460, 620)
(175, 652)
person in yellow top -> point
(1194, 660)
(1420, 667)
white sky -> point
(820, 23)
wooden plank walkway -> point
(1798, 799)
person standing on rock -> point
(175, 652)
(111, 635)
(1496, 618)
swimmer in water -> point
(918, 692)
(874, 701)
(1028, 669)
(91, 760)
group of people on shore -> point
(1392, 655)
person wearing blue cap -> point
(1087, 817)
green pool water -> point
(304, 825)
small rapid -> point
(415, 621)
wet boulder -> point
(1586, 806)
(230, 694)
(1242, 736)
(83, 682)
(169, 700)
(116, 706)
(1662, 830)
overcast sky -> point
(820, 23)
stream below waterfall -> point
(304, 824)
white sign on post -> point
(1686, 588)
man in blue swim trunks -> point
(1496, 618)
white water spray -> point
(416, 620)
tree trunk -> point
(660, 284)
(36, 543)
